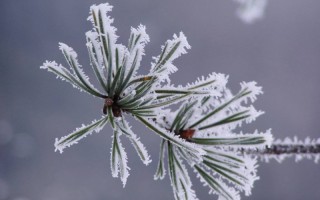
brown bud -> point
(187, 134)
(108, 101)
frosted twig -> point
(279, 150)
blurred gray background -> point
(281, 53)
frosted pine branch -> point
(124, 91)
(202, 132)
(222, 165)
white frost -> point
(119, 159)
(253, 89)
(162, 66)
(79, 133)
(139, 147)
(75, 67)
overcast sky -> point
(280, 52)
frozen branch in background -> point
(250, 11)
(287, 148)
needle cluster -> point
(200, 133)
